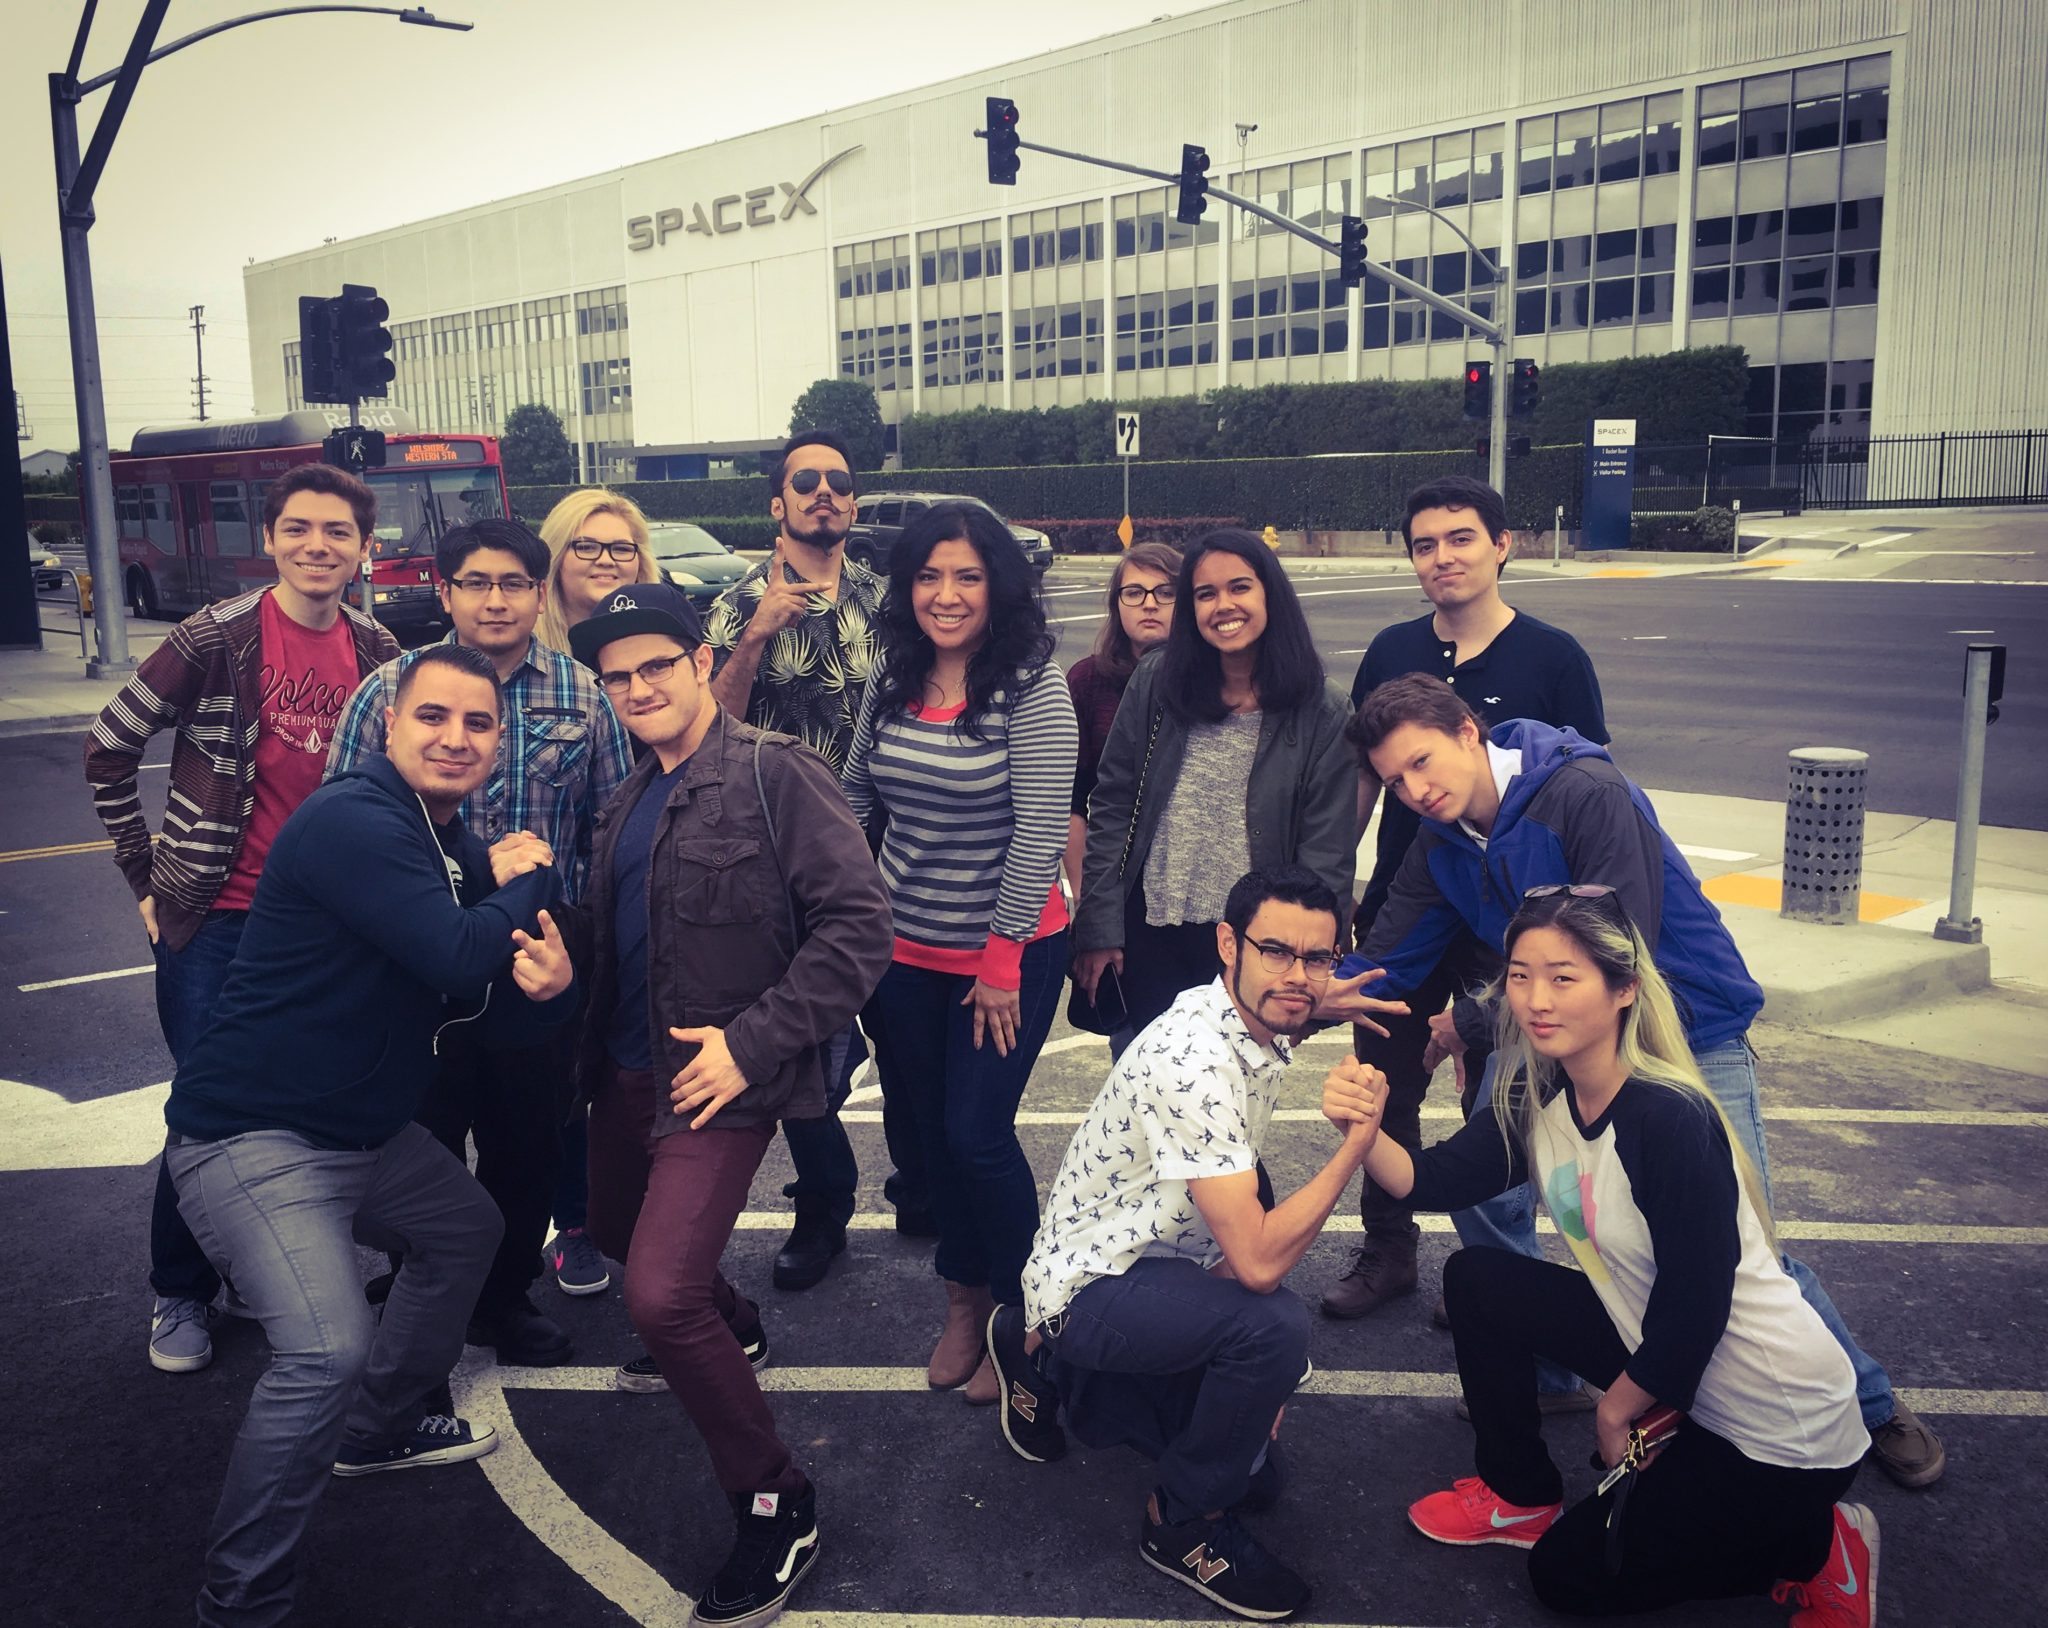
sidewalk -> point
(46, 690)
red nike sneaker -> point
(1843, 1593)
(1473, 1513)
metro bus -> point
(190, 502)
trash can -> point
(1824, 801)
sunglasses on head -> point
(805, 481)
(1578, 890)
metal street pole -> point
(1960, 925)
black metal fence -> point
(1926, 471)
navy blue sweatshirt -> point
(355, 944)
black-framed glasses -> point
(1578, 890)
(510, 587)
(1131, 594)
(805, 481)
(1279, 959)
(624, 551)
(649, 673)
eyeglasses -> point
(1131, 594)
(1578, 890)
(589, 548)
(805, 481)
(510, 587)
(1280, 958)
(649, 673)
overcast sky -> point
(271, 138)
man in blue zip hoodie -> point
(291, 1133)
(1529, 806)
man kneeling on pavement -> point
(291, 1134)
(1154, 1311)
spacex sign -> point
(736, 211)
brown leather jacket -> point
(780, 943)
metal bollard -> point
(1824, 834)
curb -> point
(62, 724)
(1814, 975)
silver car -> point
(879, 518)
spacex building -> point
(1854, 191)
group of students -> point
(611, 886)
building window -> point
(1866, 112)
(1716, 138)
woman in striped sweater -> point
(967, 745)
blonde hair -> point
(1651, 1044)
(566, 520)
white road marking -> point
(86, 978)
(1727, 856)
(1973, 631)
(1644, 638)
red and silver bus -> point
(190, 502)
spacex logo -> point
(731, 212)
(621, 602)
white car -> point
(43, 561)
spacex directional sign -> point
(736, 211)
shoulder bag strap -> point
(796, 935)
(1138, 798)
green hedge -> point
(1683, 531)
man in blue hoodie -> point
(1529, 806)
(291, 1133)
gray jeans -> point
(281, 1217)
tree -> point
(535, 448)
(847, 408)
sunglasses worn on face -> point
(805, 481)
(589, 548)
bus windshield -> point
(415, 506)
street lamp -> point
(77, 179)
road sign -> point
(1127, 435)
(1124, 533)
(1610, 482)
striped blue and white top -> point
(976, 828)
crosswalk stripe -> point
(1869, 1118)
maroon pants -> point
(666, 1207)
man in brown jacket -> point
(733, 924)
(253, 688)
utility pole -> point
(21, 620)
(199, 355)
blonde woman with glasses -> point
(597, 541)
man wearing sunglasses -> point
(1154, 1312)
(559, 759)
(1524, 807)
(792, 647)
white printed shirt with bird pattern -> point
(1191, 1097)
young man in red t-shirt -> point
(254, 687)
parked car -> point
(43, 561)
(881, 516)
(693, 560)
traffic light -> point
(1479, 390)
(354, 448)
(1528, 390)
(319, 360)
(1001, 133)
(1482, 446)
(1351, 251)
(363, 343)
(1194, 184)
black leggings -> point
(1704, 1522)
(1162, 962)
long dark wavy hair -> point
(1018, 643)
(1287, 673)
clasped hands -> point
(1354, 1100)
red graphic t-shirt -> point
(307, 678)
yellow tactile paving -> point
(1768, 893)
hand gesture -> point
(1344, 1000)
(1088, 967)
(997, 1012)
(782, 601)
(541, 965)
(1444, 1041)
(711, 1079)
(516, 854)
(1354, 1099)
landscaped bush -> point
(1100, 536)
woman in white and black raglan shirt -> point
(1680, 1302)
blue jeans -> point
(1509, 1222)
(964, 1103)
(827, 1174)
(284, 1217)
(188, 984)
(1187, 1368)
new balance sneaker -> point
(180, 1335)
(643, 1377)
(1030, 1411)
(1472, 1513)
(776, 1544)
(1843, 1593)
(577, 1263)
(1221, 1561)
(436, 1439)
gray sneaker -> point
(180, 1338)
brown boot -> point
(984, 1387)
(1381, 1270)
(959, 1351)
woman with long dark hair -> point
(1680, 1306)
(966, 744)
(1227, 755)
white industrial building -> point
(1657, 174)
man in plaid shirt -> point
(561, 756)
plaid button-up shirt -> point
(562, 754)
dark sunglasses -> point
(1578, 890)
(805, 481)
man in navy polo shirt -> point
(1505, 664)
